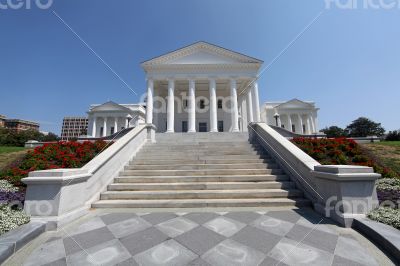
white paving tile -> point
(168, 253)
(295, 253)
(224, 226)
(272, 225)
(232, 253)
(176, 226)
(46, 253)
(128, 227)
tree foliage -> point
(10, 137)
(393, 135)
(334, 132)
(363, 127)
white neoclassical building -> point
(295, 115)
(202, 88)
(108, 118)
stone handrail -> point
(61, 195)
(341, 192)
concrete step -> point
(198, 157)
(206, 178)
(198, 153)
(202, 203)
(200, 186)
(195, 161)
(201, 172)
(200, 166)
(201, 194)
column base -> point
(213, 131)
(170, 131)
(191, 131)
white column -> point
(256, 102)
(300, 123)
(94, 127)
(314, 130)
(249, 104)
(149, 104)
(115, 124)
(105, 127)
(126, 122)
(192, 106)
(289, 122)
(213, 106)
(234, 107)
(309, 124)
(170, 106)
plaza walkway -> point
(245, 237)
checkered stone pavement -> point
(285, 237)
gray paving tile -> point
(143, 240)
(315, 238)
(176, 226)
(167, 253)
(60, 262)
(158, 217)
(46, 253)
(127, 227)
(224, 226)
(128, 262)
(199, 262)
(92, 224)
(273, 225)
(256, 238)
(201, 217)
(339, 261)
(294, 253)
(200, 239)
(272, 262)
(111, 218)
(288, 216)
(244, 217)
(351, 249)
(232, 253)
(86, 240)
(108, 253)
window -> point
(202, 105)
(184, 126)
(293, 128)
(219, 104)
(304, 128)
(112, 130)
(185, 103)
(101, 131)
(202, 127)
(220, 126)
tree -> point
(363, 127)
(334, 132)
(393, 135)
(50, 137)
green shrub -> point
(387, 216)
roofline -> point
(260, 61)
(22, 121)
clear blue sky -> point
(348, 61)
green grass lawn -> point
(388, 152)
(8, 149)
(9, 154)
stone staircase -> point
(201, 170)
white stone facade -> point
(202, 88)
(297, 116)
(109, 118)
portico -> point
(202, 88)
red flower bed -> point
(340, 151)
(51, 156)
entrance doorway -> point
(203, 127)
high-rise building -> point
(73, 127)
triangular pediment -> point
(295, 103)
(201, 53)
(109, 106)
